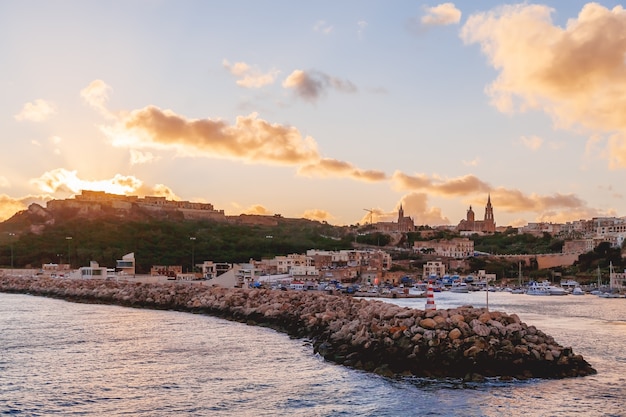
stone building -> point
(404, 224)
(470, 224)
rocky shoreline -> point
(465, 342)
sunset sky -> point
(320, 109)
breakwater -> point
(465, 342)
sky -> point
(327, 110)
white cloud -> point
(532, 142)
(37, 111)
(96, 94)
(138, 157)
(322, 27)
(362, 24)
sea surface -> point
(69, 359)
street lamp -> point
(11, 235)
(193, 241)
(69, 258)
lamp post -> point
(69, 258)
(11, 235)
(193, 241)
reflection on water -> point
(77, 359)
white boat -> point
(609, 295)
(460, 287)
(545, 288)
(578, 291)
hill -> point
(52, 235)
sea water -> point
(70, 359)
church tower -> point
(490, 223)
(470, 215)
(400, 214)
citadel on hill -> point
(95, 203)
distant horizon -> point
(298, 218)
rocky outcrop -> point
(465, 342)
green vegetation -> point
(512, 243)
(30, 240)
(165, 242)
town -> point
(362, 269)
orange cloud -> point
(515, 201)
(443, 14)
(312, 85)
(415, 205)
(257, 209)
(249, 139)
(9, 205)
(576, 74)
(37, 111)
(506, 200)
(328, 167)
(466, 185)
(250, 77)
(317, 214)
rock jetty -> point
(465, 342)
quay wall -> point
(465, 342)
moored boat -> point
(544, 288)
(460, 287)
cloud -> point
(460, 186)
(96, 94)
(473, 163)
(250, 139)
(9, 205)
(616, 151)
(443, 14)
(515, 201)
(4, 182)
(312, 85)
(37, 111)
(257, 209)
(415, 205)
(503, 199)
(62, 180)
(250, 77)
(317, 214)
(138, 157)
(532, 142)
(322, 27)
(575, 74)
(375, 215)
(362, 24)
(328, 167)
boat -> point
(578, 291)
(460, 287)
(544, 288)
